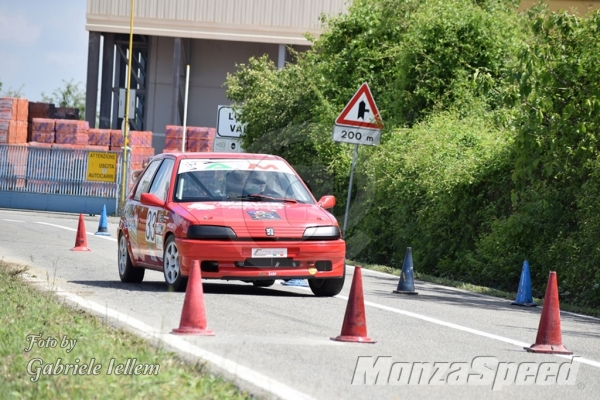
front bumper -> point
(306, 255)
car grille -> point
(270, 262)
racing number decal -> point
(150, 223)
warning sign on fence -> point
(102, 167)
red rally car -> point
(246, 217)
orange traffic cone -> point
(549, 337)
(354, 328)
(81, 239)
(193, 315)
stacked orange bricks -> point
(13, 120)
(140, 143)
(39, 110)
(13, 131)
(197, 139)
(59, 133)
(43, 131)
(99, 139)
(71, 134)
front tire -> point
(127, 272)
(171, 268)
(327, 287)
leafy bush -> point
(556, 222)
(391, 44)
(437, 185)
(489, 152)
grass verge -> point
(475, 288)
(25, 311)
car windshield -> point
(238, 180)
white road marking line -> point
(421, 317)
(262, 381)
(255, 378)
(470, 330)
(372, 272)
(75, 230)
(582, 360)
(12, 220)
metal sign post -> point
(354, 157)
(358, 123)
(125, 163)
(185, 106)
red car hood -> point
(250, 219)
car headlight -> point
(322, 233)
(209, 232)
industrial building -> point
(212, 36)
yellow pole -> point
(126, 119)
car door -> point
(139, 212)
(156, 217)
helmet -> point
(256, 183)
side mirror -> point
(327, 202)
(148, 199)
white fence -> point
(52, 171)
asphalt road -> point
(276, 341)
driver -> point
(255, 184)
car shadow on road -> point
(208, 288)
(246, 289)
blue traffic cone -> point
(524, 297)
(102, 228)
(406, 285)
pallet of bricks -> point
(57, 134)
(13, 133)
(42, 129)
(48, 131)
(197, 139)
(142, 151)
(39, 110)
(55, 129)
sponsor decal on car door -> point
(152, 230)
(154, 227)
(131, 224)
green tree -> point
(490, 150)
(394, 45)
(557, 170)
(70, 95)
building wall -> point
(266, 21)
(210, 61)
(223, 33)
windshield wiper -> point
(262, 197)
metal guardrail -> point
(53, 171)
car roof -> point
(236, 156)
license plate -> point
(269, 253)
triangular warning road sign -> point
(361, 111)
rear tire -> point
(171, 267)
(264, 283)
(127, 272)
(327, 287)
